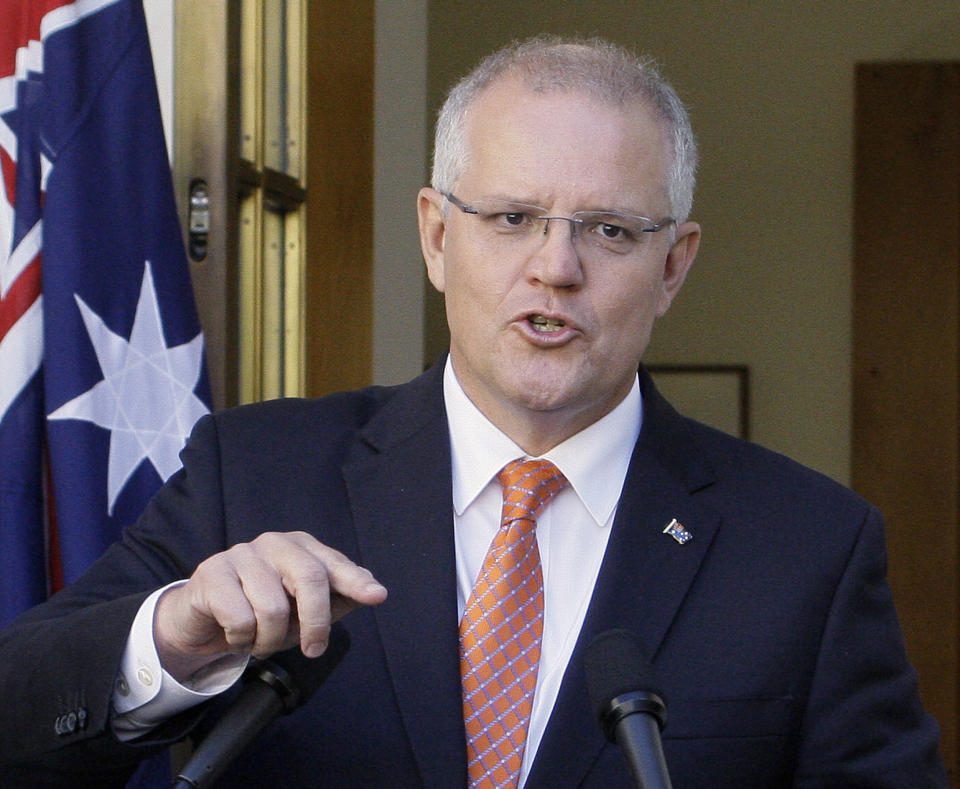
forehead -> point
(564, 144)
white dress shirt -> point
(572, 531)
(572, 535)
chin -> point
(545, 403)
(548, 392)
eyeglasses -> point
(606, 231)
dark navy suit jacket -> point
(772, 630)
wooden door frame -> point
(339, 238)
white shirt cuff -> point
(145, 695)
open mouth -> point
(541, 323)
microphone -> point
(272, 687)
(629, 704)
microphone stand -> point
(271, 688)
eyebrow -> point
(612, 211)
(507, 199)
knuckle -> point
(313, 573)
(239, 635)
(273, 610)
(240, 552)
(208, 569)
(266, 540)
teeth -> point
(544, 324)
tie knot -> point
(528, 486)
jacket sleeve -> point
(59, 661)
(864, 724)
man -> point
(557, 230)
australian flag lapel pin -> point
(676, 530)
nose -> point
(574, 224)
(556, 261)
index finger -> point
(327, 590)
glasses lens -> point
(617, 233)
(507, 218)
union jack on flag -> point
(101, 354)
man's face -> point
(542, 381)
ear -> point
(679, 260)
(432, 233)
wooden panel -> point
(905, 360)
(339, 277)
(205, 128)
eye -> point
(508, 218)
(610, 232)
(512, 220)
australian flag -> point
(101, 354)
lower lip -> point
(546, 339)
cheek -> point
(470, 301)
(474, 284)
(632, 304)
(463, 287)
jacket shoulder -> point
(754, 479)
(738, 476)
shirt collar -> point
(594, 461)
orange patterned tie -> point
(501, 629)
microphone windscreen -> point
(616, 665)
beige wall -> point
(400, 153)
(770, 86)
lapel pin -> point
(676, 530)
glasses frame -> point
(575, 223)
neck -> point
(538, 433)
(537, 430)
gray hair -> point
(597, 67)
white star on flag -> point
(146, 397)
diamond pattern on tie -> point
(501, 629)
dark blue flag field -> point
(101, 353)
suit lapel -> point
(398, 481)
(643, 580)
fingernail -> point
(314, 650)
